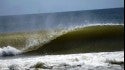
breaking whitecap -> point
(9, 51)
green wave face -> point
(87, 39)
(17, 40)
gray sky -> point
(16, 7)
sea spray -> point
(37, 39)
(32, 40)
(9, 51)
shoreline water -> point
(68, 61)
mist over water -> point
(50, 21)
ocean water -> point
(80, 40)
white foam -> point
(87, 59)
(8, 51)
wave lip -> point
(9, 51)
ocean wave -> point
(91, 38)
(69, 40)
(9, 51)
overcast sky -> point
(16, 7)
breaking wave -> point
(9, 51)
(75, 39)
(91, 38)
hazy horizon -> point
(57, 12)
(26, 23)
(8, 7)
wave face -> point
(96, 38)
(76, 39)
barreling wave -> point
(91, 38)
(75, 39)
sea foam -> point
(83, 61)
(9, 51)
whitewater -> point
(82, 61)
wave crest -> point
(80, 39)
